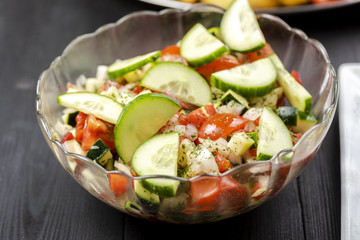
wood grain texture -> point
(39, 200)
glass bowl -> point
(142, 32)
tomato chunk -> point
(258, 54)
(198, 116)
(222, 162)
(172, 49)
(209, 193)
(68, 136)
(118, 183)
(296, 76)
(221, 125)
(89, 129)
(226, 61)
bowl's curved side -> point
(125, 39)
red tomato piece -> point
(222, 162)
(89, 129)
(80, 123)
(296, 76)
(258, 54)
(172, 49)
(118, 183)
(68, 136)
(198, 116)
(137, 89)
(221, 125)
(233, 194)
(226, 61)
(208, 193)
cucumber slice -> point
(254, 136)
(249, 80)
(297, 95)
(231, 95)
(240, 29)
(182, 81)
(289, 115)
(141, 119)
(304, 122)
(239, 143)
(273, 135)
(100, 153)
(149, 202)
(199, 47)
(98, 105)
(120, 68)
(216, 32)
(69, 118)
(158, 156)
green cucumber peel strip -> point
(120, 68)
(199, 47)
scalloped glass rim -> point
(314, 135)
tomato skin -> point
(172, 49)
(296, 76)
(258, 54)
(224, 62)
(137, 89)
(80, 123)
(89, 129)
(198, 116)
(222, 162)
(68, 136)
(221, 125)
(118, 183)
(209, 193)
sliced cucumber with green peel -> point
(249, 80)
(304, 122)
(100, 106)
(149, 202)
(240, 29)
(69, 118)
(120, 68)
(297, 95)
(140, 120)
(100, 153)
(215, 31)
(289, 115)
(199, 47)
(273, 135)
(182, 81)
(158, 156)
(231, 95)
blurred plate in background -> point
(273, 10)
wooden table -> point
(39, 200)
